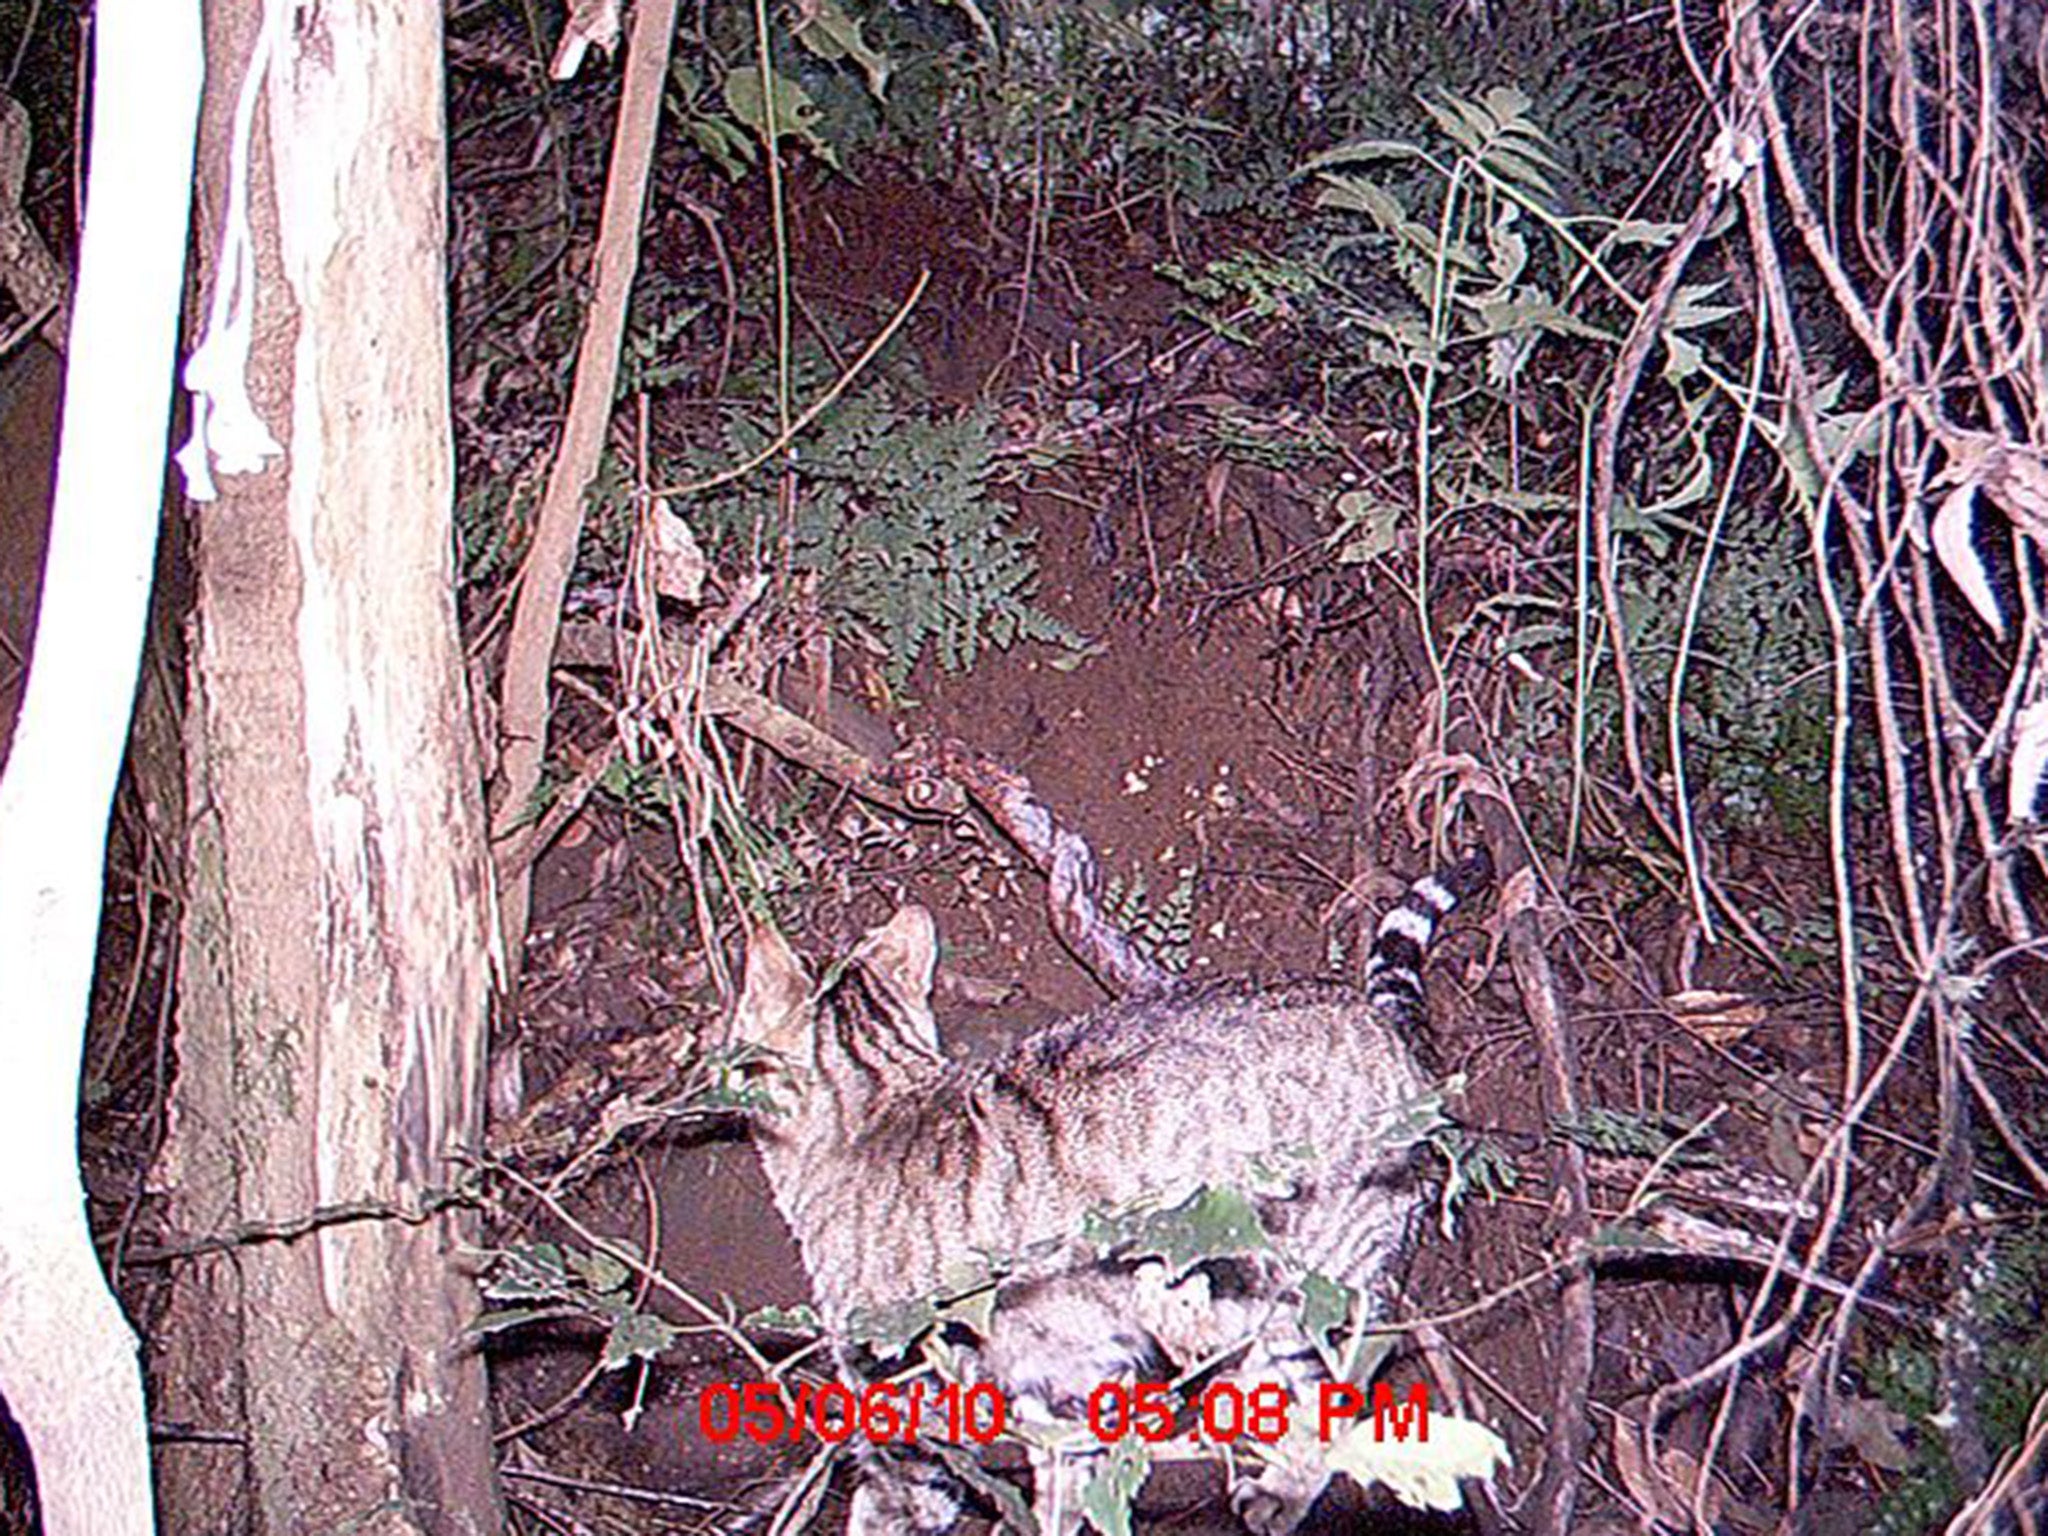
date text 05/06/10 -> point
(1222, 1412)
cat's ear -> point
(776, 1006)
(899, 960)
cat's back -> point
(1234, 1065)
(1199, 1029)
(1149, 1099)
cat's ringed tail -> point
(1393, 973)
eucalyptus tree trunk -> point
(335, 962)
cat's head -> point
(877, 999)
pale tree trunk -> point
(67, 1356)
(334, 973)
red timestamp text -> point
(1222, 1412)
(884, 1413)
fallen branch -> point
(897, 786)
(1074, 882)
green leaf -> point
(1697, 486)
(1878, 1432)
(1533, 637)
(828, 32)
(1647, 232)
(1507, 247)
(1618, 1133)
(1370, 527)
(725, 143)
(636, 1336)
(1683, 358)
(1520, 170)
(1360, 150)
(798, 1319)
(1213, 1223)
(892, 1329)
(533, 1272)
(1415, 1120)
(599, 1270)
(1531, 501)
(1689, 306)
(1325, 1308)
(1077, 653)
(1351, 194)
(508, 1318)
(795, 112)
(1106, 1500)
(1462, 123)
(1527, 313)
(1013, 1510)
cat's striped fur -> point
(893, 1165)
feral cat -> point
(895, 1166)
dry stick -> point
(818, 407)
(1026, 281)
(1894, 374)
(1628, 369)
(782, 731)
(713, 1320)
(1833, 1164)
(1556, 1491)
(529, 657)
(524, 845)
(1928, 178)
(708, 217)
(547, 1414)
(2004, 1487)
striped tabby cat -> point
(894, 1167)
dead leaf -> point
(1721, 1018)
(1876, 1432)
(1662, 1490)
(1954, 543)
(2029, 752)
(679, 565)
(2013, 475)
(1784, 1148)
(1215, 487)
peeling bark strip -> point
(1075, 883)
(335, 955)
(67, 1356)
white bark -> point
(67, 1357)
